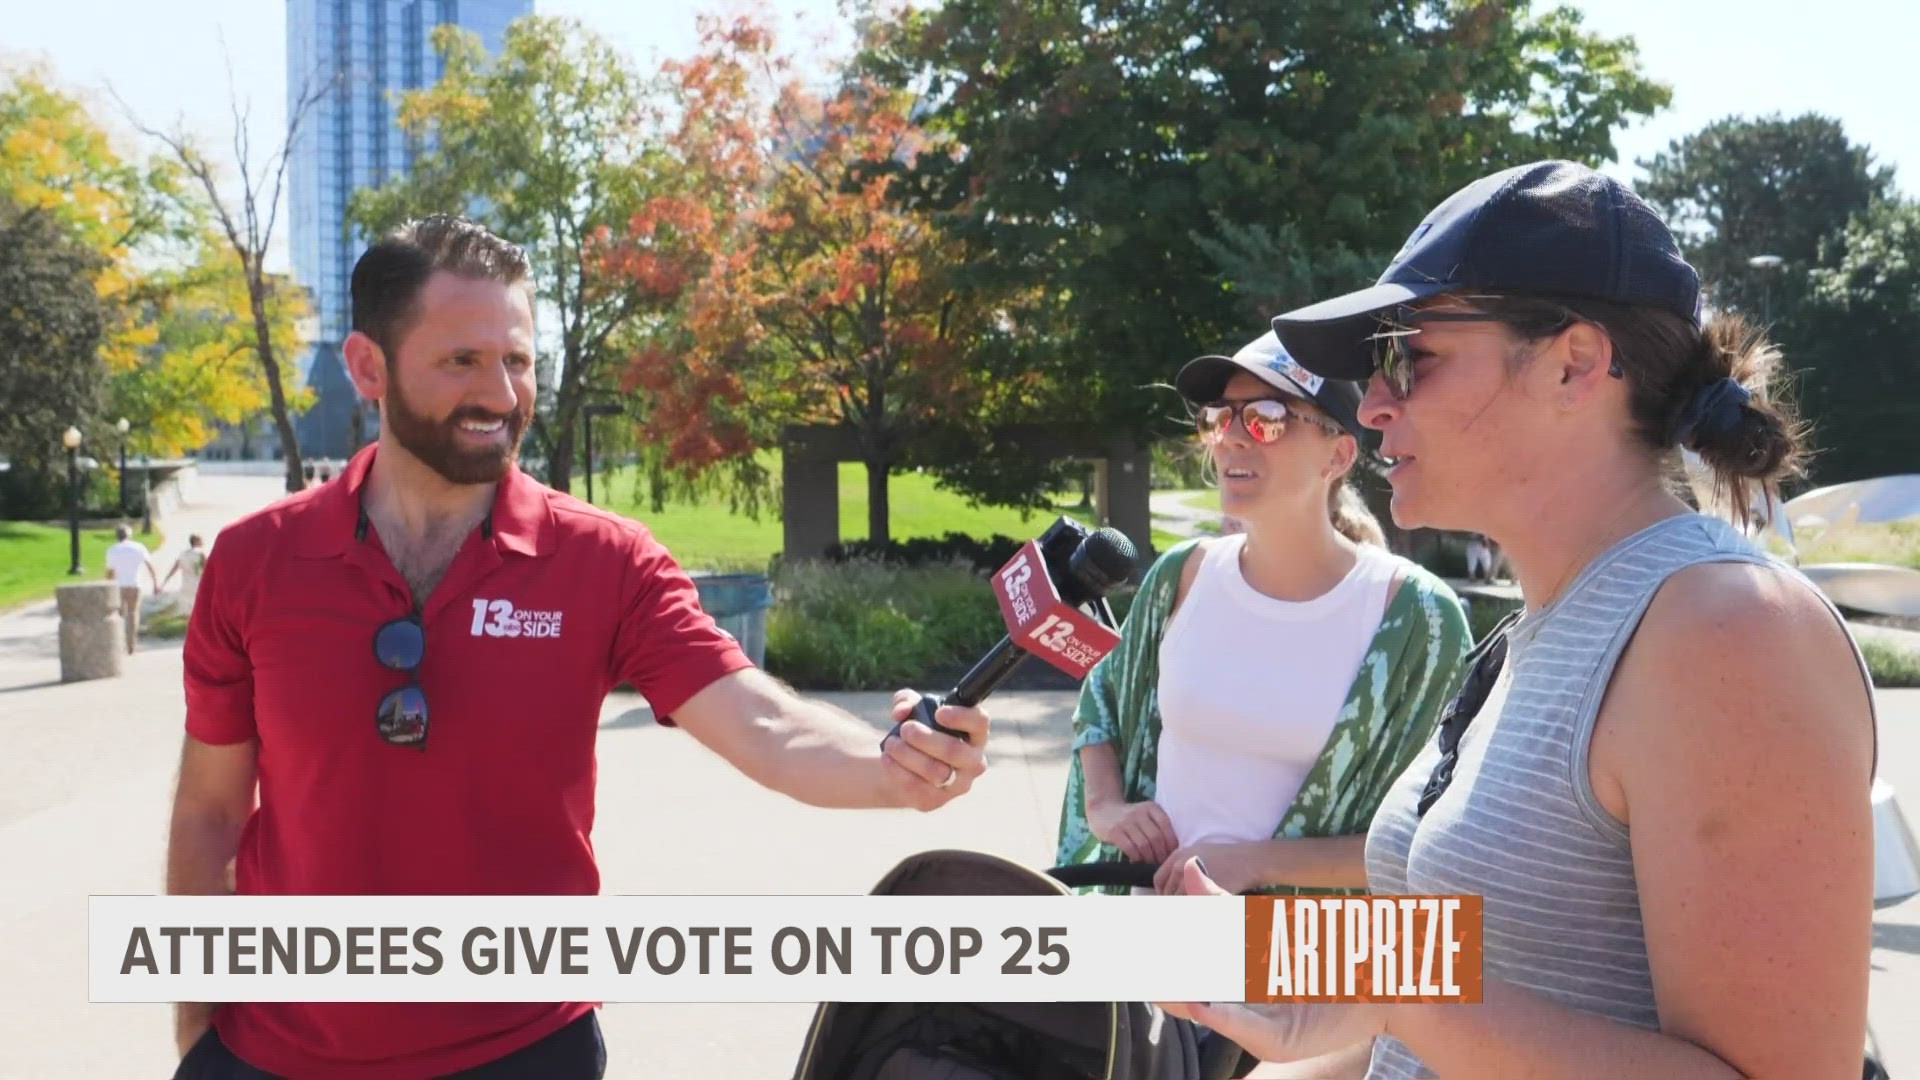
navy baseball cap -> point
(1204, 378)
(1552, 229)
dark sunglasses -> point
(1394, 360)
(401, 719)
(1265, 419)
(1488, 658)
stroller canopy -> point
(1011, 1041)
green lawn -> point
(34, 559)
(709, 537)
(1897, 544)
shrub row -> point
(953, 549)
(868, 625)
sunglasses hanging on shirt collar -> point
(1487, 658)
(400, 645)
(401, 716)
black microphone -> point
(1083, 567)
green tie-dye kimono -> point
(1409, 673)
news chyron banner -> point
(784, 948)
(1041, 622)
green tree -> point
(1173, 174)
(1741, 188)
(1801, 190)
(1863, 311)
(53, 320)
(549, 143)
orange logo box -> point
(1365, 948)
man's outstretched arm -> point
(825, 756)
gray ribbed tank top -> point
(1520, 824)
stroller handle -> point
(1137, 875)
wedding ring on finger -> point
(952, 775)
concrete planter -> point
(92, 637)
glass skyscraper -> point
(371, 50)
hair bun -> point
(1716, 410)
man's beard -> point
(436, 443)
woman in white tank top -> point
(1664, 798)
(1270, 683)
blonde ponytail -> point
(1350, 515)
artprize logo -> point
(1299, 376)
(499, 618)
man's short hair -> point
(389, 276)
(122, 532)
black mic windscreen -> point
(1100, 564)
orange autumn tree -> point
(802, 292)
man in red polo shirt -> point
(407, 665)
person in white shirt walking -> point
(190, 565)
(124, 561)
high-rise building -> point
(367, 52)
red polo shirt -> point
(543, 611)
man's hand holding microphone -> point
(932, 768)
(1052, 597)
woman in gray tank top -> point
(1659, 776)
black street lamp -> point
(587, 413)
(123, 427)
(146, 496)
(71, 439)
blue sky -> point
(1849, 58)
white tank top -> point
(1250, 689)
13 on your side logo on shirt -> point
(500, 618)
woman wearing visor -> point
(1658, 776)
(1269, 685)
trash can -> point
(739, 603)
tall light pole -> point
(123, 427)
(1768, 265)
(71, 440)
(587, 413)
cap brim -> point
(1204, 378)
(1333, 338)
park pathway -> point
(1172, 512)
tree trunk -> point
(263, 343)
(877, 472)
(560, 459)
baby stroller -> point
(1012, 1041)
